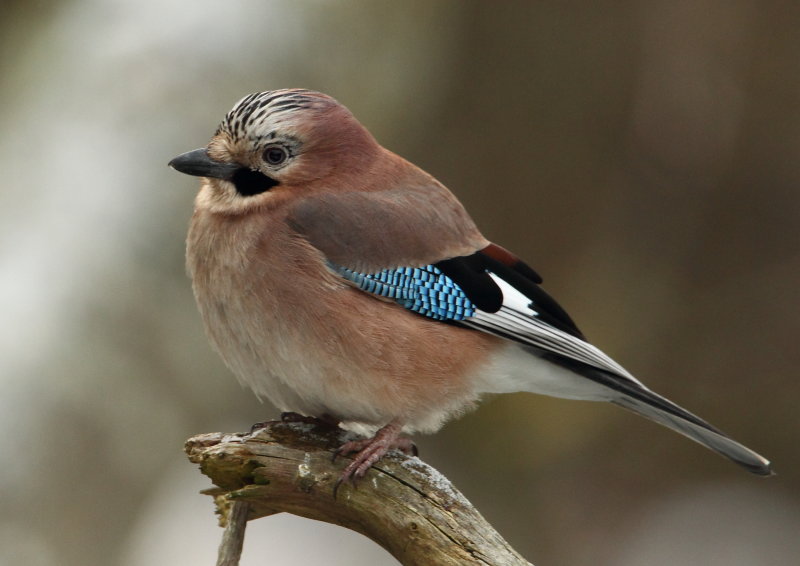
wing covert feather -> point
(376, 230)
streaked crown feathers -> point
(270, 107)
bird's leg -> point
(370, 450)
(292, 417)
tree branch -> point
(403, 504)
(230, 549)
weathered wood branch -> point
(403, 504)
(230, 549)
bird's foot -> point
(369, 450)
(292, 417)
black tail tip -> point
(761, 469)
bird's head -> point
(276, 145)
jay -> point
(342, 282)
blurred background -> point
(642, 155)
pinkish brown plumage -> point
(324, 267)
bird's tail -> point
(658, 409)
(634, 396)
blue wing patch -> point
(424, 290)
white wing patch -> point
(516, 319)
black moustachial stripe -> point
(249, 182)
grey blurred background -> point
(642, 155)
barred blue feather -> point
(424, 290)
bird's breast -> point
(247, 275)
(298, 334)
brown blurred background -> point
(642, 155)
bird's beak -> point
(199, 164)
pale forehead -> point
(259, 112)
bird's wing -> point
(418, 245)
(373, 230)
(492, 291)
(410, 244)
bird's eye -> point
(275, 155)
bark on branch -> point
(403, 504)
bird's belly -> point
(267, 353)
(351, 356)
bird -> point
(343, 283)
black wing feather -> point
(470, 273)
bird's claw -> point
(369, 450)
